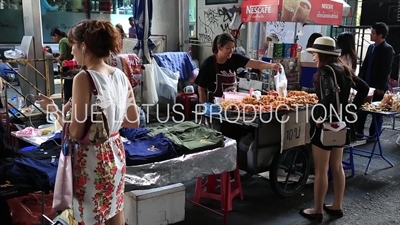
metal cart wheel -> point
(289, 171)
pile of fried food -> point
(389, 103)
(270, 102)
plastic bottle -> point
(14, 102)
(20, 102)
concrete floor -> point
(369, 199)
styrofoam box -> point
(158, 206)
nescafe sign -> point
(259, 10)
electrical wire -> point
(48, 118)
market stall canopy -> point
(323, 12)
(346, 8)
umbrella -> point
(143, 15)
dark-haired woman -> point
(328, 63)
(308, 67)
(99, 170)
(347, 44)
(65, 53)
(217, 73)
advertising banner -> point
(259, 10)
(322, 12)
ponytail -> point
(221, 40)
(215, 44)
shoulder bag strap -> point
(91, 83)
(93, 87)
(337, 89)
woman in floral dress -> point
(98, 169)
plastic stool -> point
(350, 164)
(28, 148)
(207, 189)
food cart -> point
(278, 137)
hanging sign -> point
(323, 12)
(294, 129)
(259, 10)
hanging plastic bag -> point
(235, 24)
(166, 82)
(281, 82)
(149, 89)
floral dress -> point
(99, 170)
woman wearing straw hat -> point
(326, 56)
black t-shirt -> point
(207, 77)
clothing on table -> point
(148, 149)
(133, 133)
(48, 150)
(326, 92)
(218, 78)
(39, 174)
(189, 137)
(99, 170)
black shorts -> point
(315, 138)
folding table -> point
(377, 143)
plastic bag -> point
(235, 23)
(149, 89)
(27, 210)
(281, 82)
(29, 132)
(14, 54)
(66, 217)
(166, 81)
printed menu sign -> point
(312, 11)
(259, 10)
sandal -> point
(333, 212)
(317, 216)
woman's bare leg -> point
(118, 219)
(321, 165)
(339, 179)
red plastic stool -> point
(207, 190)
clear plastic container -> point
(235, 96)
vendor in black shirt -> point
(218, 72)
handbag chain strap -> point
(337, 89)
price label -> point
(293, 129)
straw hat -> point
(324, 45)
(273, 37)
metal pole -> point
(33, 27)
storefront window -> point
(11, 21)
(192, 18)
(61, 14)
(117, 11)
